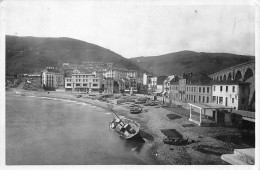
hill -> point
(32, 54)
(188, 61)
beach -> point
(205, 144)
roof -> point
(53, 70)
(245, 113)
(161, 79)
(125, 80)
(120, 81)
(228, 82)
(209, 106)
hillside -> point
(188, 61)
(32, 54)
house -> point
(231, 93)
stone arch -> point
(220, 78)
(229, 77)
(238, 76)
(224, 77)
(217, 77)
(249, 73)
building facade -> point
(108, 85)
(52, 78)
(83, 83)
(233, 94)
(198, 93)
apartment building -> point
(108, 85)
(199, 93)
(52, 78)
(231, 93)
(83, 83)
(115, 73)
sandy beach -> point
(206, 144)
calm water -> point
(57, 132)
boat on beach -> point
(125, 128)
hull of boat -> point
(132, 133)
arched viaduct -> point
(240, 72)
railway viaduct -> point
(244, 72)
(240, 72)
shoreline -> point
(204, 150)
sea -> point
(49, 131)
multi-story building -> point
(108, 85)
(198, 92)
(82, 83)
(115, 73)
(166, 83)
(52, 78)
(231, 93)
(152, 86)
(133, 83)
(191, 88)
(127, 85)
(131, 73)
(146, 79)
(160, 83)
(174, 89)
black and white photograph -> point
(133, 83)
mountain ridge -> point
(30, 54)
(189, 61)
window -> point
(207, 99)
(220, 88)
(214, 88)
(68, 84)
(95, 85)
(226, 88)
(203, 99)
(199, 89)
(77, 84)
(233, 100)
(233, 88)
(84, 84)
(220, 100)
(186, 88)
(214, 98)
(203, 89)
(194, 89)
(243, 89)
(199, 98)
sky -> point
(138, 28)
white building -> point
(232, 94)
(52, 78)
(83, 83)
(115, 73)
